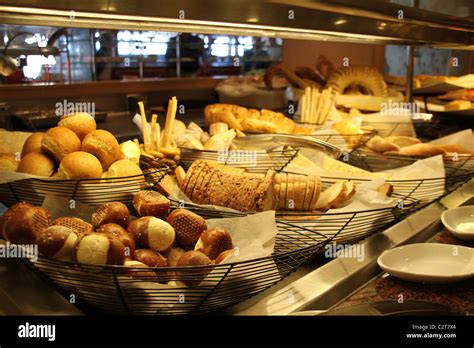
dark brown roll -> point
(99, 249)
(114, 212)
(150, 258)
(151, 232)
(77, 225)
(119, 232)
(188, 227)
(213, 242)
(222, 256)
(9, 213)
(151, 203)
(192, 277)
(25, 224)
(57, 242)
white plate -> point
(429, 262)
(455, 219)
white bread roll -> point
(81, 123)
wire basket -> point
(252, 160)
(346, 142)
(89, 191)
(425, 190)
(132, 290)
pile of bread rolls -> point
(75, 149)
(112, 237)
(409, 146)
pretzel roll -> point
(11, 212)
(119, 232)
(79, 226)
(25, 224)
(193, 277)
(103, 145)
(115, 212)
(213, 242)
(99, 249)
(60, 141)
(151, 203)
(153, 233)
(150, 258)
(56, 242)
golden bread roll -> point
(8, 162)
(123, 168)
(103, 145)
(81, 123)
(32, 144)
(80, 165)
(131, 151)
(60, 141)
(36, 163)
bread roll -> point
(99, 249)
(187, 141)
(32, 144)
(178, 128)
(425, 150)
(56, 242)
(379, 144)
(193, 277)
(217, 128)
(123, 168)
(173, 255)
(137, 273)
(79, 226)
(25, 224)
(120, 233)
(36, 163)
(223, 255)
(8, 162)
(150, 258)
(80, 165)
(153, 233)
(81, 124)
(131, 151)
(60, 141)
(213, 242)
(103, 145)
(11, 212)
(114, 212)
(402, 141)
(188, 226)
(151, 203)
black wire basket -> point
(457, 173)
(252, 160)
(88, 191)
(139, 291)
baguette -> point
(379, 144)
(427, 150)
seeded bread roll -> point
(153, 233)
(81, 124)
(32, 144)
(99, 249)
(80, 165)
(60, 141)
(103, 145)
(151, 203)
(188, 226)
(56, 242)
(213, 242)
(36, 163)
(25, 224)
(115, 212)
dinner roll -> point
(8, 162)
(113, 212)
(25, 224)
(81, 123)
(152, 233)
(131, 151)
(56, 242)
(32, 144)
(36, 163)
(123, 168)
(80, 165)
(213, 242)
(60, 141)
(103, 145)
(99, 249)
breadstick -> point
(322, 101)
(169, 124)
(153, 146)
(168, 151)
(325, 107)
(146, 140)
